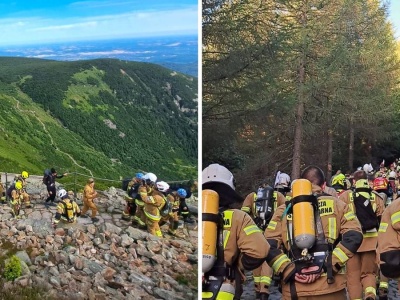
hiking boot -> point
(126, 218)
(29, 206)
(94, 219)
(52, 204)
(188, 220)
(383, 294)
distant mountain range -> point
(179, 53)
(102, 117)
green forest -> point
(105, 118)
(291, 83)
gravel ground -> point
(250, 294)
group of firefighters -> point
(311, 240)
(149, 203)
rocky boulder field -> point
(109, 259)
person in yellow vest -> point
(388, 250)
(174, 198)
(16, 198)
(132, 193)
(262, 275)
(244, 247)
(139, 218)
(320, 266)
(362, 267)
(89, 194)
(26, 198)
(67, 209)
(153, 203)
(2, 193)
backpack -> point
(46, 176)
(69, 212)
(264, 206)
(166, 209)
(364, 211)
(10, 189)
(125, 183)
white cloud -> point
(128, 24)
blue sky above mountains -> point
(44, 21)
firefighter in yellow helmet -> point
(362, 267)
(25, 196)
(16, 198)
(67, 209)
(139, 218)
(153, 202)
(335, 235)
(244, 246)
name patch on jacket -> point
(326, 207)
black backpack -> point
(365, 212)
(166, 209)
(264, 206)
(46, 175)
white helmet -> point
(62, 193)
(368, 168)
(162, 186)
(218, 173)
(392, 174)
(151, 177)
(282, 179)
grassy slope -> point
(81, 97)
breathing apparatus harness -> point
(320, 253)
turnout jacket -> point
(249, 204)
(154, 201)
(389, 241)
(341, 229)
(371, 236)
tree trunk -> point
(329, 155)
(298, 130)
(351, 147)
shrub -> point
(13, 269)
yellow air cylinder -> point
(210, 204)
(303, 216)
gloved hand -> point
(310, 278)
(21, 197)
(288, 273)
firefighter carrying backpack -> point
(69, 212)
(166, 209)
(264, 206)
(361, 199)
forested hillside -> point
(292, 83)
(105, 117)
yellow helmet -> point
(24, 174)
(338, 179)
(18, 185)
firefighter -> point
(388, 250)
(244, 244)
(153, 202)
(132, 193)
(262, 275)
(89, 194)
(362, 267)
(339, 184)
(25, 196)
(67, 209)
(16, 196)
(139, 218)
(335, 237)
(2, 193)
(174, 198)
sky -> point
(394, 17)
(48, 21)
